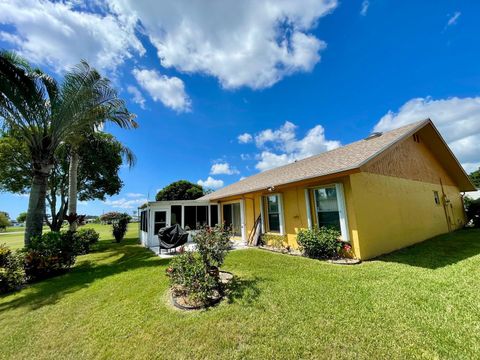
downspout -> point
(444, 197)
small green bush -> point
(275, 240)
(473, 211)
(189, 277)
(48, 255)
(320, 243)
(12, 274)
(213, 244)
(83, 240)
(120, 226)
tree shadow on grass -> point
(243, 291)
(440, 251)
(128, 256)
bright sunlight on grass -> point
(420, 302)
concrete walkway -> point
(11, 232)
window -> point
(213, 215)
(273, 213)
(326, 207)
(196, 217)
(160, 221)
(436, 197)
(144, 221)
(176, 215)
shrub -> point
(48, 255)
(319, 243)
(12, 274)
(275, 240)
(189, 277)
(472, 208)
(120, 227)
(4, 220)
(213, 245)
(81, 240)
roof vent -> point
(373, 135)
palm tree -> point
(43, 114)
(113, 110)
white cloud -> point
(365, 6)
(244, 138)
(168, 90)
(453, 19)
(457, 119)
(137, 96)
(223, 168)
(210, 183)
(242, 178)
(60, 34)
(281, 146)
(126, 203)
(242, 43)
(134, 195)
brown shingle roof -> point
(345, 158)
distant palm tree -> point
(35, 108)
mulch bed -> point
(339, 261)
(184, 303)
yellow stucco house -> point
(384, 192)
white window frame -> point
(342, 208)
(280, 213)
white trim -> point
(209, 214)
(282, 220)
(342, 211)
(262, 215)
(183, 217)
(242, 220)
(309, 210)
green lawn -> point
(13, 237)
(420, 302)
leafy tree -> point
(475, 177)
(44, 114)
(22, 217)
(4, 220)
(180, 190)
(98, 173)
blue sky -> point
(293, 77)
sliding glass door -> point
(232, 218)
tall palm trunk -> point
(36, 203)
(72, 185)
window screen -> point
(144, 221)
(160, 221)
(176, 215)
(196, 217)
(214, 215)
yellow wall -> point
(294, 209)
(393, 212)
(385, 213)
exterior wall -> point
(294, 210)
(393, 212)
